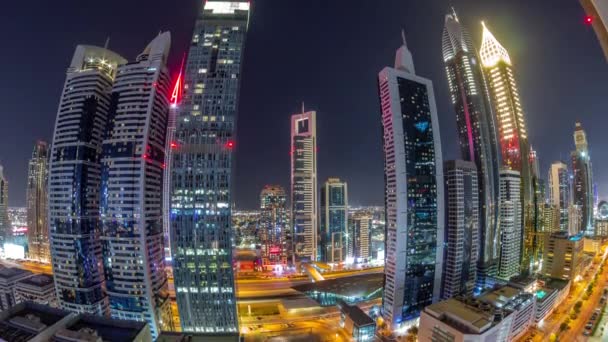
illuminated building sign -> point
(226, 7)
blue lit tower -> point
(413, 191)
(201, 234)
(131, 192)
(75, 179)
(476, 132)
(333, 223)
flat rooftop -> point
(461, 316)
(9, 273)
(185, 337)
(25, 320)
(38, 280)
(359, 286)
(107, 329)
(359, 317)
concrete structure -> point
(462, 228)
(333, 227)
(592, 245)
(202, 169)
(8, 281)
(582, 180)
(601, 227)
(185, 337)
(5, 223)
(414, 202)
(597, 16)
(275, 236)
(304, 193)
(357, 324)
(39, 288)
(131, 189)
(559, 192)
(521, 304)
(457, 320)
(37, 204)
(563, 256)
(75, 179)
(34, 322)
(551, 217)
(515, 148)
(575, 220)
(550, 293)
(360, 236)
(510, 224)
(477, 134)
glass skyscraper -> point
(274, 227)
(37, 204)
(5, 222)
(559, 191)
(201, 186)
(413, 191)
(75, 180)
(477, 134)
(131, 189)
(582, 181)
(333, 225)
(510, 224)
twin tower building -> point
(455, 226)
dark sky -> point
(326, 53)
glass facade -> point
(201, 187)
(334, 221)
(274, 231)
(37, 204)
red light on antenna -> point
(230, 144)
(589, 20)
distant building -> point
(5, 223)
(29, 321)
(274, 227)
(582, 180)
(462, 228)
(75, 179)
(9, 278)
(597, 16)
(458, 320)
(575, 219)
(357, 324)
(476, 126)
(304, 193)
(551, 217)
(39, 288)
(131, 189)
(510, 224)
(333, 223)
(414, 202)
(360, 236)
(563, 256)
(601, 227)
(559, 192)
(37, 204)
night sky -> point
(327, 54)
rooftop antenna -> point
(403, 37)
(454, 13)
(303, 107)
(107, 43)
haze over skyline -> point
(332, 66)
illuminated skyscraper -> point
(75, 180)
(202, 167)
(274, 227)
(414, 203)
(597, 16)
(461, 228)
(582, 181)
(37, 204)
(477, 133)
(515, 148)
(510, 224)
(131, 189)
(304, 193)
(334, 221)
(5, 222)
(359, 239)
(559, 191)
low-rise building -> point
(521, 304)
(8, 278)
(39, 288)
(601, 227)
(592, 245)
(550, 294)
(357, 324)
(563, 256)
(464, 320)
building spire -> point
(403, 37)
(491, 52)
(404, 60)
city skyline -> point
(337, 153)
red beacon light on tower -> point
(588, 20)
(230, 144)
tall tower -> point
(510, 227)
(582, 182)
(274, 227)
(304, 193)
(477, 134)
(334, 221)
(75, 179)
(5, 222)
(461, 228)
(515, 148)
(413, 173)
(37, 204)
(131, 191)
(559, 191)
(359, 243)
(202, 167)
